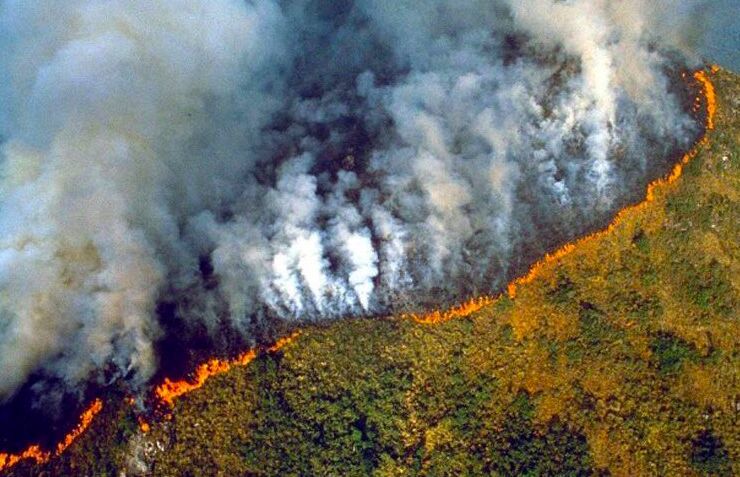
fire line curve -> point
(167, 392)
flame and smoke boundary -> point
(170, 390)
(465, 309)
(188, 171)
(41, 456)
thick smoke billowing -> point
(305, 159)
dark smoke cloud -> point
(318, 159)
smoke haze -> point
(249, 161)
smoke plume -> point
(256, 160)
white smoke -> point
(324, 158)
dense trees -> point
(620, 358)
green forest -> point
(619, 358)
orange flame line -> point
(475, 304)
(41, 456)
(167, 392)
(458, 311)
(170, 390)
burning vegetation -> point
(170, 390)
(41, 456)
(683, 352)
(305, 160)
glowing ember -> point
(473, 305)
(40, 456)
(143, 425)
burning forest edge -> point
(319, 161)
(165, 394)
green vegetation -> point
(619, 359)
(709, 455)
(670, 352)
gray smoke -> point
(305, 159)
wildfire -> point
(459, 311)
(41, 456)
(170, 390)
(476, 304)
(167, 392)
